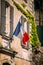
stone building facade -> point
(9, 18)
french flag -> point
(19, 31)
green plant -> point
(23, 11)
(34, 35)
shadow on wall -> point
(40, 34)
(6, 63)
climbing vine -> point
(34, 35)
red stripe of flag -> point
(25, 38)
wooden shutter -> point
(0, 16)
(3, 16)
(11, 20)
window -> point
(6, 18)
(4, 10)
(6, 22)
(31, 6)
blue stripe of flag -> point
(17, 30)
